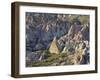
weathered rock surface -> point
(70, 36)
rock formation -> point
(55, 33)
(53, 47)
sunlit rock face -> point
(53, 47)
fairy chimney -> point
(53, 47)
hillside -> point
(72, 39)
